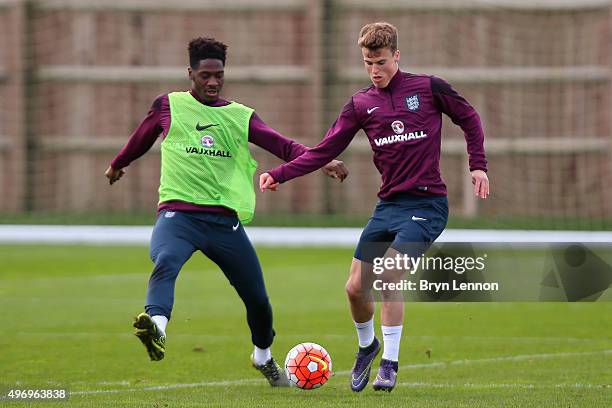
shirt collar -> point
(397, 78)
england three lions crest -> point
(413, 102)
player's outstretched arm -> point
(286, 149)
(113, 174)
(334, 169)
(481, 183)
(140, 141)
(333, 144)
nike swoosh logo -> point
(235, 227)
(383, 380)
(365, 373)
(418, 218)
(320, 361)
(201, 128)
(372, 109)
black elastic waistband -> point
(415, 197)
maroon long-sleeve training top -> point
(403, 123)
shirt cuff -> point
(276, 174)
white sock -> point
(261, 356)
(365, 332)
(391, 338)
(161, 322)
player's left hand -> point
(481, 183)
(336, 169)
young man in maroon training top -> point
(401, 116)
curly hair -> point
(378, 35)
(202, 48)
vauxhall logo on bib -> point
(207, 142)
(400, 136)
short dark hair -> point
(378, 35)
(202, 48)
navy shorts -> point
(406, 223)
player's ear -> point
(397, 56)
(190, 73)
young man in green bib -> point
(205, 195)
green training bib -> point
(205, 157)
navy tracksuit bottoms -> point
(177, 235)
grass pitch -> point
(67, 311)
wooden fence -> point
(77, 76)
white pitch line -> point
(281, 236)
(250, 381)
(253, 381)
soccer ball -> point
(308, 366)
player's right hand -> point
(113, 174)
(266, 181)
